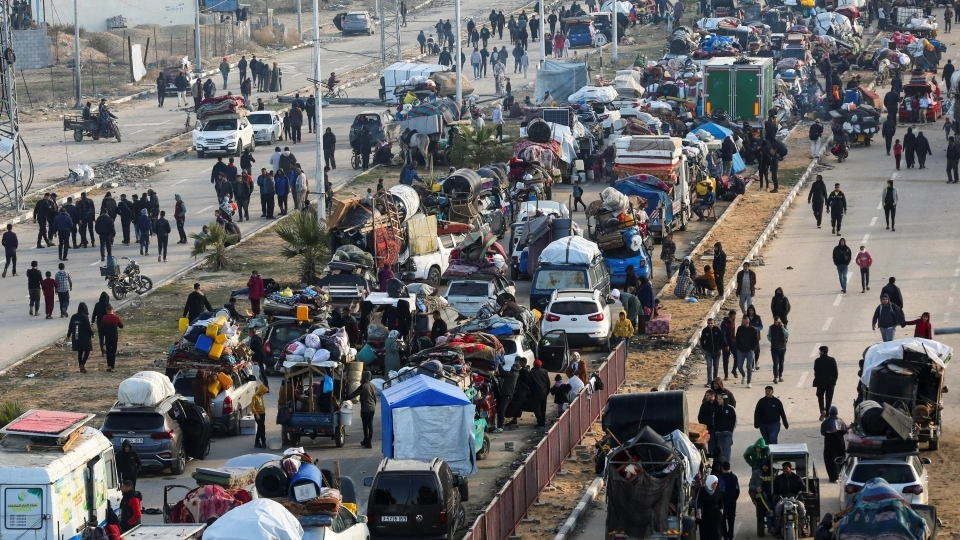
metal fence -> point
(501, 516)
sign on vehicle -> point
(133, 441)
(393, 519)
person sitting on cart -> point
(87, 115)
(788, 484)
(761, 490)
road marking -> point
(75, 154)
(865, 238)
(837, 301)
(880, 206)
(205, 209)
(180, 182)
(956, 273)
(803, 379)
(210, 168)
(873, 221)
(137, 131)
(946, 317)
(816, 349)
(826, 325)
(95, 263)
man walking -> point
(730, 492)
(183, 87)
(296, 124)
(106, 230)
(126, 211)
(953, 161)
(724, 422)
(767, 416)
(10, 245)
(64, 286)
(746, 286)
(258, 407)
(668, 250)
(816, 133)
(64, 226)
(40, 217)
(34, 287)
(196, 303)
(817, 197)
(109, 328)
(864, 261)
(712, 342)
(329, 147)
(747, 340)
(267, 190)
(719, 266)
(242, 67)
(888, 315)
(162, 230)
(161, 89)
(225, 71)
(87, 211)
(180, 215)
(259, 355)
(825, 375)
(368, 395)
(578, 196)
(889, 200)
(837, 208)
(841, 258)
(75, 216)
(778, 335)
(891, 290)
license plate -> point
(393, 519)
(133, 441)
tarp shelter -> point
(601, 94)
(881, 512)
(656, 198)
(559, 78)
(719, 132)
(878, 354)
(425, 418)
(575, 250)
(394, 75)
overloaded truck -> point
(743, 87)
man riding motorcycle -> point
(104, 116)
(789, 484)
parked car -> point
(904, 474)
(158, 434)
(431, 266)
(226, 136)
(414, 499)
(267, 126)
(467, 295)
(231, 404)
(518, 346)
(581, 33)
(357, 22)
(277, 334)
(583, 314)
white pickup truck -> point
(431, 266)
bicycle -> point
(335, 92)
(356, 160)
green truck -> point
(743, 90)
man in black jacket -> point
(106, 230)
(162, 230)
(817, 197)
(767, 416)
(368, 395)
(219, 168)
(748, 340)
(40, 218)
(889, 130)
(125, 209)
(953, 161)
(110, 205)
(841, 258)
(242, 66)
(727, 149)
(183, 89)
(724, 422)
(196, 304)
(816, 133)
(837, 208)
(719, 266)
(708, 407)
(75, 216)
(88, 215)
(887, 316)
(825, 375)
(539, 382)
(241, 194)
(10, 245)
(891, 290)
(712, 342)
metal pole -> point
(318, 132)
(76, 55)
(543, 44)
(456, 59)
(299, 20)
(613, 18)
(196, 39)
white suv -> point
(267, 126)
(583, 314)
(225, 136)
(906, 475)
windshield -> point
(369, 119)
(227, 124)
(893, 473)
(466, 288)
(574, 308)
(285, 334)
(799, 54)
(406, 490)
(560, 279)
(260, 119)
(184, 386)
(132, 422)
(578, 30)
(357, 17)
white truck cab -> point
(430, 266)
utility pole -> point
(613, 18)
(299, 20)
(456, 60)
(76, 53)
(318, 123)
(196, 37)
(543, 45)
(11, 169)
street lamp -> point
(456, 60)
(318, 121)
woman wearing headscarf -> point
(577, 368)
(99, 310)
(833, 430)
(201, 398)
(756, 322)
(391, 355)
(80, 333)
(710, 510)
(128, 463)
(909, 142)
(922, 148)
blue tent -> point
(426, 394)
(720, 133)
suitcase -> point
(613, 240)
(658, 325)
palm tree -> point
(216, 240)
(474, 148)
(9, 411)
(306, 238)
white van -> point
(56, 475)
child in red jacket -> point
(924, 326)
(897, 152)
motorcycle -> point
(130, 280)
(790, 524)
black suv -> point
(414, 499)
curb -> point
(591, 495)
(62, 200)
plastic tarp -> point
(719, 132)
(447, 84)
(881, 513)
(629, 79)
(681, 443)
(419, 416)
(893, 350)
(395, 74)
(560, 78)
(655, 197)
(622, 7)
(574, 250)
(602, 94)
(832, 23)
(259, 519)
(422, 236)
(146, 388)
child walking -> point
(897, 152)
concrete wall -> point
(94, 13)
(32, 48)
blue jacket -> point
(708, 199)
(408, 175)
(143, 224)
(63, 222)
(283, 185)
(267, 185)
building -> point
(95, 13)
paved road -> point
(799, 260)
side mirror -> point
(925, 461)
(361, 519)
(368, 481)
(840, 461)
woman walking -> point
(128, 463)
(833, 430)
(710, 510)
(889, 199)
(99, 310)
(80, 333)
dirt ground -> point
(941, 474)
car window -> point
(448, 241)
(578, 30)
(560, 279)
(132, 422)
(343, 521)
(462, 288)
(509, 346)
(893, 473)
(917, 465)
(406, 490)
(184, 386)
(357, 17)
(225, 124)
(110, 469)
(260, 119)
(527, 343)
(574, 308)
(282, 335)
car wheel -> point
(607, 347)
(273, 139)
(206, 451)
(234, 428)
(464, 488)
(78, 135)
(340, 437)
(461, 520)
(178, 465)
(239, 150)
(933, 445)
(200, 154)
(434, 276)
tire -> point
(933, 445)
(464, 488)
(119, 293)
(117, 134)
(177, 466)
(239, 151)
(78, 135)
(200, 154)
(341, 93)
(461, 520)
(433, 276)
(790, 534)
(607, 346)
(144, 280)
(355, 162)
(340, 437)
(273, 139)
(206, 451)
(234, 428)
(866, 142)
(484, 448)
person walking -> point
(757, 323)
(710, 510)
(578, 196)
(126, 211)
(180, 215)
(897, 153)
(837, 208)
(267, 190)
(283, 190)
(729, 492)
(130, 512)
(889, 198)
(259, 356)
(80, 333)
(259, 409)
(712, 342)
(87, 213)
(668, 250)
(833, 430)
(768, 415)
(49, 288)
(224, 71)
(106, 230)
(64, 226)
(296, 124)
(922, 147)
(724, 423)
(329, 147)
(864, 261)
(128, 463)
(109, 331)
(729, 328)
(825, 375)
(817, 197)
(161, 89)
(746, 286)
(539, 382)
(64, 286)
(815, 135)
(10, 245)
(953, 160)
(143, 231)
(891, 290)
(246, 88)
(99, 311)
(708, 408)
(40, 217)
(163, 236)
(747, 340)
(34, 279)
(368, 395)
(777, 335)
(909, 140)
(719, 266)
(255, 286)
(889, 131)
(780, 306)
(183, 88)
(924, 328)
(887, 316)
(196, 303)
(841, 259)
